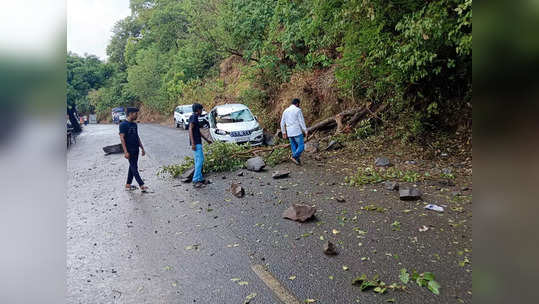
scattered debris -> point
(255, 164)
(280, 174)
(248, 298)
(329, 248)
(389, 185)
(425, 279)
(382, 162)
(237, 190)
(409, 194)
(410, 162)
(298, 212)
(423, 228)
(434, 207)
(187, 176)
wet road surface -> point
(182, 245)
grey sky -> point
(89, 24)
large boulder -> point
(187, 176)
(255, 164)
(409, 194)
(299, 212)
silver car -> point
(235, 123)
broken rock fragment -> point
(299, 212)
(409, 194)
(334, 145)
(329, 248)
(280, 174)
(237, 190)
(388, 185)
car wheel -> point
(185, 126)
(176, 123)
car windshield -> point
(238, 116)
(185, 109)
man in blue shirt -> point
(196, 144)
(130, 144)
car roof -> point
(229, 107)
(187, 105)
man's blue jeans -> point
(296, 144)
(199, 161)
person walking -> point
(293, 127)
(196, 145)
(131, 143)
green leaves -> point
(425, 279)
(404, 276)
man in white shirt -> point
(293, 128)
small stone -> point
(329, 248)
(389, 185)
(237, 190)
(223, 177)
(410, 162)
(382, 162)
(409, 194)
(280, 174)
(312, 147)
(446, 171)
(240, 173)
(340, 199)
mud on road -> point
(177, 244)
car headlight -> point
(221, 132)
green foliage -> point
(277, 156)
(375, 284)
(425, 279)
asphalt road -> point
(183, 245)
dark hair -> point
(197, 106)
(131, 110)
(295, 101)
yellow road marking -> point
(282, 293)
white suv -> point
(236, 124)
(182, 114)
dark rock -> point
(187, 176)
(223, 177)
(269, 140)
(312, 147)
(340, 199)
(329, 248)
(389, 185)
(382, 162)
(280, 174)
(298, 212)
(255, 164)
(334, 145)
(237, 190)
(114, 149)
(409, 194)
(240, 173)
(465, 188)
(410, 162)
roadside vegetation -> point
(411, 54)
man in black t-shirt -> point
(196, 144)
(130, 144)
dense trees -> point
(415, 54)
